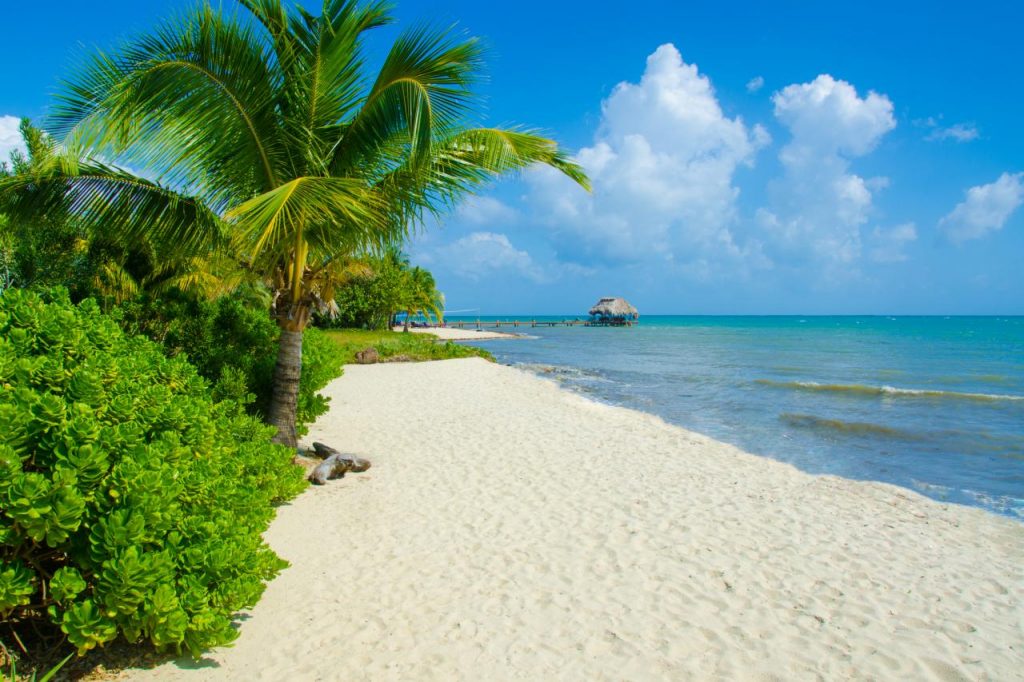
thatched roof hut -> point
(610, 308)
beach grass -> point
(402, 347)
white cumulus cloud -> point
(888, 245)
(818, 206)
(828, 115)
(755, 83)
(985, 209)
(10, 137)
(958, 132)
(662, 166)
(484, 210)
(480, 254)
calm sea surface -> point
(935, 404)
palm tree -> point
(420, 295)
(259, 133)
(104, 263)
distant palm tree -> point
(421, 297)
(261, 135)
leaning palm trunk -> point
(284, 401)
(292, 318)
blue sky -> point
(788, 157)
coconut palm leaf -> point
(330, 213)
(464, 161)
(100, 195)
(481, 154)
(423, 89)
(193, 102)
(327, 74)
(113, 281)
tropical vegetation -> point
(220, 324)
(386, 285)
(393, 347)
(232, 342)
(199, 199)
(132, 503)
(264, 139)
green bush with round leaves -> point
(131, 503)
(232, 342)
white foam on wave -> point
(893, 390)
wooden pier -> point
(480, 324)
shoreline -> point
(453, 334)
(517, 529)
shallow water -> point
(930, 403)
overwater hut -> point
(613, 312)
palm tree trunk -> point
(285, 399)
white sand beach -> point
(512, 530)
(455, 334)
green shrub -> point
(407, 346)
(322, 362)
(369, 300)
(131, 503)
(233, 343)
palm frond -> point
(423, 89)
(481, 154)
(107, 198)
(192, 277)
(324, 81)
(466, 160)
(273, 16)
(113, 281)
(193, 103)
(331, 214)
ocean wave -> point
(563, 373)
(940, 491)
(840, 426)
(1005, 504)
(994, 379)
(889, 391)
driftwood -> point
(335, 464)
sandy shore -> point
(511, 530)
(454, 334)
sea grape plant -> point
(232, 342)
(131, 503)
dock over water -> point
(480, 324)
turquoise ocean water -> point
(935, 404)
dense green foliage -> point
(48, 244)
(232, 342)
(400, 345)
(275, 146)
(368, 300)
(370, 297)
(43, 247)
(131, 503)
